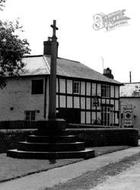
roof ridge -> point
(68, 59)
(131, 83)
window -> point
(105, 90)
(76, 87)
(30, 115)
(95, 101)
(37, 86)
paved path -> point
(127, 180)
(48, 179)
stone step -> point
(87, 153)
(32, 146)
(57, 139)
(45, 132)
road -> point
(127, 180)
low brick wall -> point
(106, 136)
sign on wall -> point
(128, 116)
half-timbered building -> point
(82, 94)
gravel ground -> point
(91, 179)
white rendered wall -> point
(16, 98)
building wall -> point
(16, 98)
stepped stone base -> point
(51, 141)
(86, 153)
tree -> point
(12, 49)
(2, 2)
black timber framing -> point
(58, 92)
(114, 104)
(85, 102)
(91, 102)
(66, 92)
(91, 110)
(96, 106)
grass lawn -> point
(11, 168)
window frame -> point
(76, 87)
(31, 115)
(35, 86)
(95, 101)
(105, 90)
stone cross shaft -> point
(53, 68)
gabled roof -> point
(40, 65)
(130, 90)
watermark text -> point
(110, 21)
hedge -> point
(106, 137)
(9, 138)
(92, 137)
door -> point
(107, 115)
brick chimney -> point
(108, 73)
(47, 47)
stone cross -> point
(52, 87)
(54, 29)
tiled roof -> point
(130, 90)
(40, 65)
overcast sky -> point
(117, 49)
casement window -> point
(105, 90)
(37, 86)
(76, 87)
(30, 115)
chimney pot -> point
(108, 73)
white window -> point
(30, 115)
(76, 87)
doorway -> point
(107, 115)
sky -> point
(117, 49)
